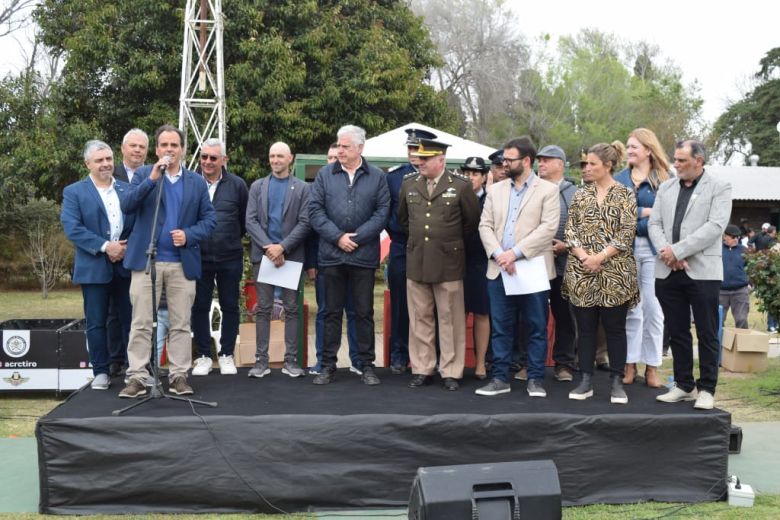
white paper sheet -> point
(530, 277)
(287, 276)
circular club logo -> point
(16, 347)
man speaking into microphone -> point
(186, 217)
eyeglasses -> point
(207, 157)
(510, 160)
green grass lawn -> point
(749, 397)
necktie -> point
(431, 185)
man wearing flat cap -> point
(475, 282)
(437, 209)
(552, 162)
(396, 265)
(734, 290)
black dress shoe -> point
(604, 367)
(115, 369)
(450, 384)
(397, 369)
(419, 380)
(369, 377)
(325, 377)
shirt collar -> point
(338, 167)
(525, 183)
(211, 183)
(693, 183)
(108, 188)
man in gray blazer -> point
(277, 221)
(686, 225)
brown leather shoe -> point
(179, 386)
(629, 373)
(651, 377)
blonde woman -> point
(648, 167)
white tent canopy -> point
(392, 144)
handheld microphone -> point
(168, 158)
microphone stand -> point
(151, 253)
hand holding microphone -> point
(160, 167)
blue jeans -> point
(96, 298)
(319, 323)
(504, 317)
(228, 277)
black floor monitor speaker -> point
(491, 491)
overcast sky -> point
(718, 43)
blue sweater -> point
(172, 193)
(734, 275)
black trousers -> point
(613, 319)
(563, 350)
(679, 294)
(360, 281)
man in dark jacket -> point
(221, 259)
(552, 160)
(734, 290)
(349, 205)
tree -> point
(44, 245)
(749, 125)
(12, 15)
(484, 57)
(598, 89)
(294, 71)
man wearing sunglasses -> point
(221, 259)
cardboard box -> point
(744, 350)
(244, 354)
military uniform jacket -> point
(436, 226)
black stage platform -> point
(286, 443)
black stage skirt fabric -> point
(285, 444)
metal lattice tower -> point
(202, 96)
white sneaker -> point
(676, 394)
(355, 370)
(705, 401)
(101, 382)
(227, 367)
(202, 366)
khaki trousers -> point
(180, 294)
(447, 299)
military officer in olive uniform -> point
(437, 210)
(396, 264)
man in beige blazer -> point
(519, 221)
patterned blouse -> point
(593, 227)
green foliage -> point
(294, 71)
(749, 125)
(38, 247)
(599, 90)
(763, 269)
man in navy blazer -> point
(93, 221)
(186, 217)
